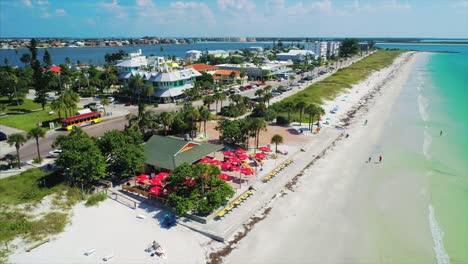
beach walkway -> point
(223, 228)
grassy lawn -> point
(27, 106)
(29, 187)
(343, 79)
(29, 120)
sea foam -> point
(437, 237)
(427, 143)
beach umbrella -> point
(328, 118)
(142, 177)
(266, 149)
(205, 160)
(235, 168)
(234, 160)
(240, 151)
(260, 156)
(229, 154)
(216, 162)
(247, 171)
(162, 175)
(226, 165)
(243, 157)
(155, 181)
(224, 176)
(155, 190)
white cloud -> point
(45, 14)
(27, 3)
(461, 4)
(60, 12)
(239, 5)
(42, 2)
(145, 3)
(324, 6)
(114, 8)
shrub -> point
(282, 120)
(95, 199)
(37, 160)
(155, 105)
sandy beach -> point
(330, 216)
(323, 218)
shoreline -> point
(282, 209)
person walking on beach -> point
(441, 133)
(365, 122)
(380, 158)
(369, 160)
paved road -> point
(29, 150)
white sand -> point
(112, 228)
(325, 220)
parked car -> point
(301, 81)
(3, 136)
(275, 94)
(128, 104)
(54, 153)
(111, 99)
(90, 105)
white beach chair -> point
(90, 252)
(141, 216)
(108, 257)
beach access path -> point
(325, 217)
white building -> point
(169, 83)
(319, 48)
(192, 55)
(262, 72)
(218, 53)
(296, 55)
(333, 48)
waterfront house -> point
(263, 72)
(228, 77)
(201, 67)
(192, 55)
(296, 55)
(218, 53)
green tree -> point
(26, 59)
(148, 90)
(47, 59)
(288, 106)
(58, 105)
(222, 96)
(17, 140)
(33, 49)
(205, 115)
(300, 106)
(167, 119)
(36, 133)
(276, 139)
(81, 159)
(208, 100)
(105, 103)
(256, 125)
(259, 92)
(349, 47)
(267, 97)
(123, 151)
(9, 85)
(217, 98)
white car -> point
(110, 99)
(54, 153)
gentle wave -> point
(422, 103)
(437, 237)
(427, 143)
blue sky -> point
(205, 18)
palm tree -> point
(166, 118)
(222, 96)
(259, 92)
(70, 99)
(267, 97)
(236, 98)
(136, 83)
(149, 91)
(105, 102)
(17, 140)
(300, 106)
(216, 98)
(36, 133)
(257, 125)
(205, 115)
(268, 88)
(311, 109)
(232, 76)
(276, 139)
(208, 100)
(288, 106)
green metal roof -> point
(163, 152)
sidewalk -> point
(224, 228)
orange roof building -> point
(201, 67)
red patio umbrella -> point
(189, 181)
(162, 175)
(234, 160)
(243, 157)
(266, 149)
(247, 171)
(205, 160)
(224, 177)
(260, 156)
(229, 154)
(240, 151)
(142, 177)
(216, 162)
(156, 181)
(155, 190)
(226, 165)
(235, 168)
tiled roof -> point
(201, 67)
(226, 72)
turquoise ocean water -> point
(435, 99)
